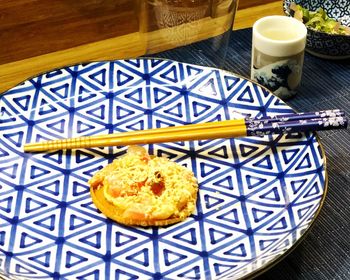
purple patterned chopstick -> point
(256, 128)
(226, 129)
(300, 116)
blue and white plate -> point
(258, 196)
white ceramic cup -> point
(278, 54)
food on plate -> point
(318, 20)
(143, 190)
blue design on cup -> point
(281, 77)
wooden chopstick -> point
(223, 129)
(158, 135)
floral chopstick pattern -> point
(299, 122)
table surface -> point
(36, 36)
(325, 252)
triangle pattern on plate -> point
(257, 195)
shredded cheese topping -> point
(148, 188)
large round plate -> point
(258, 195)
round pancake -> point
(143, 190)
(114, 213)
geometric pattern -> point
(257, 195)
(321, 43)
(334, 9)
